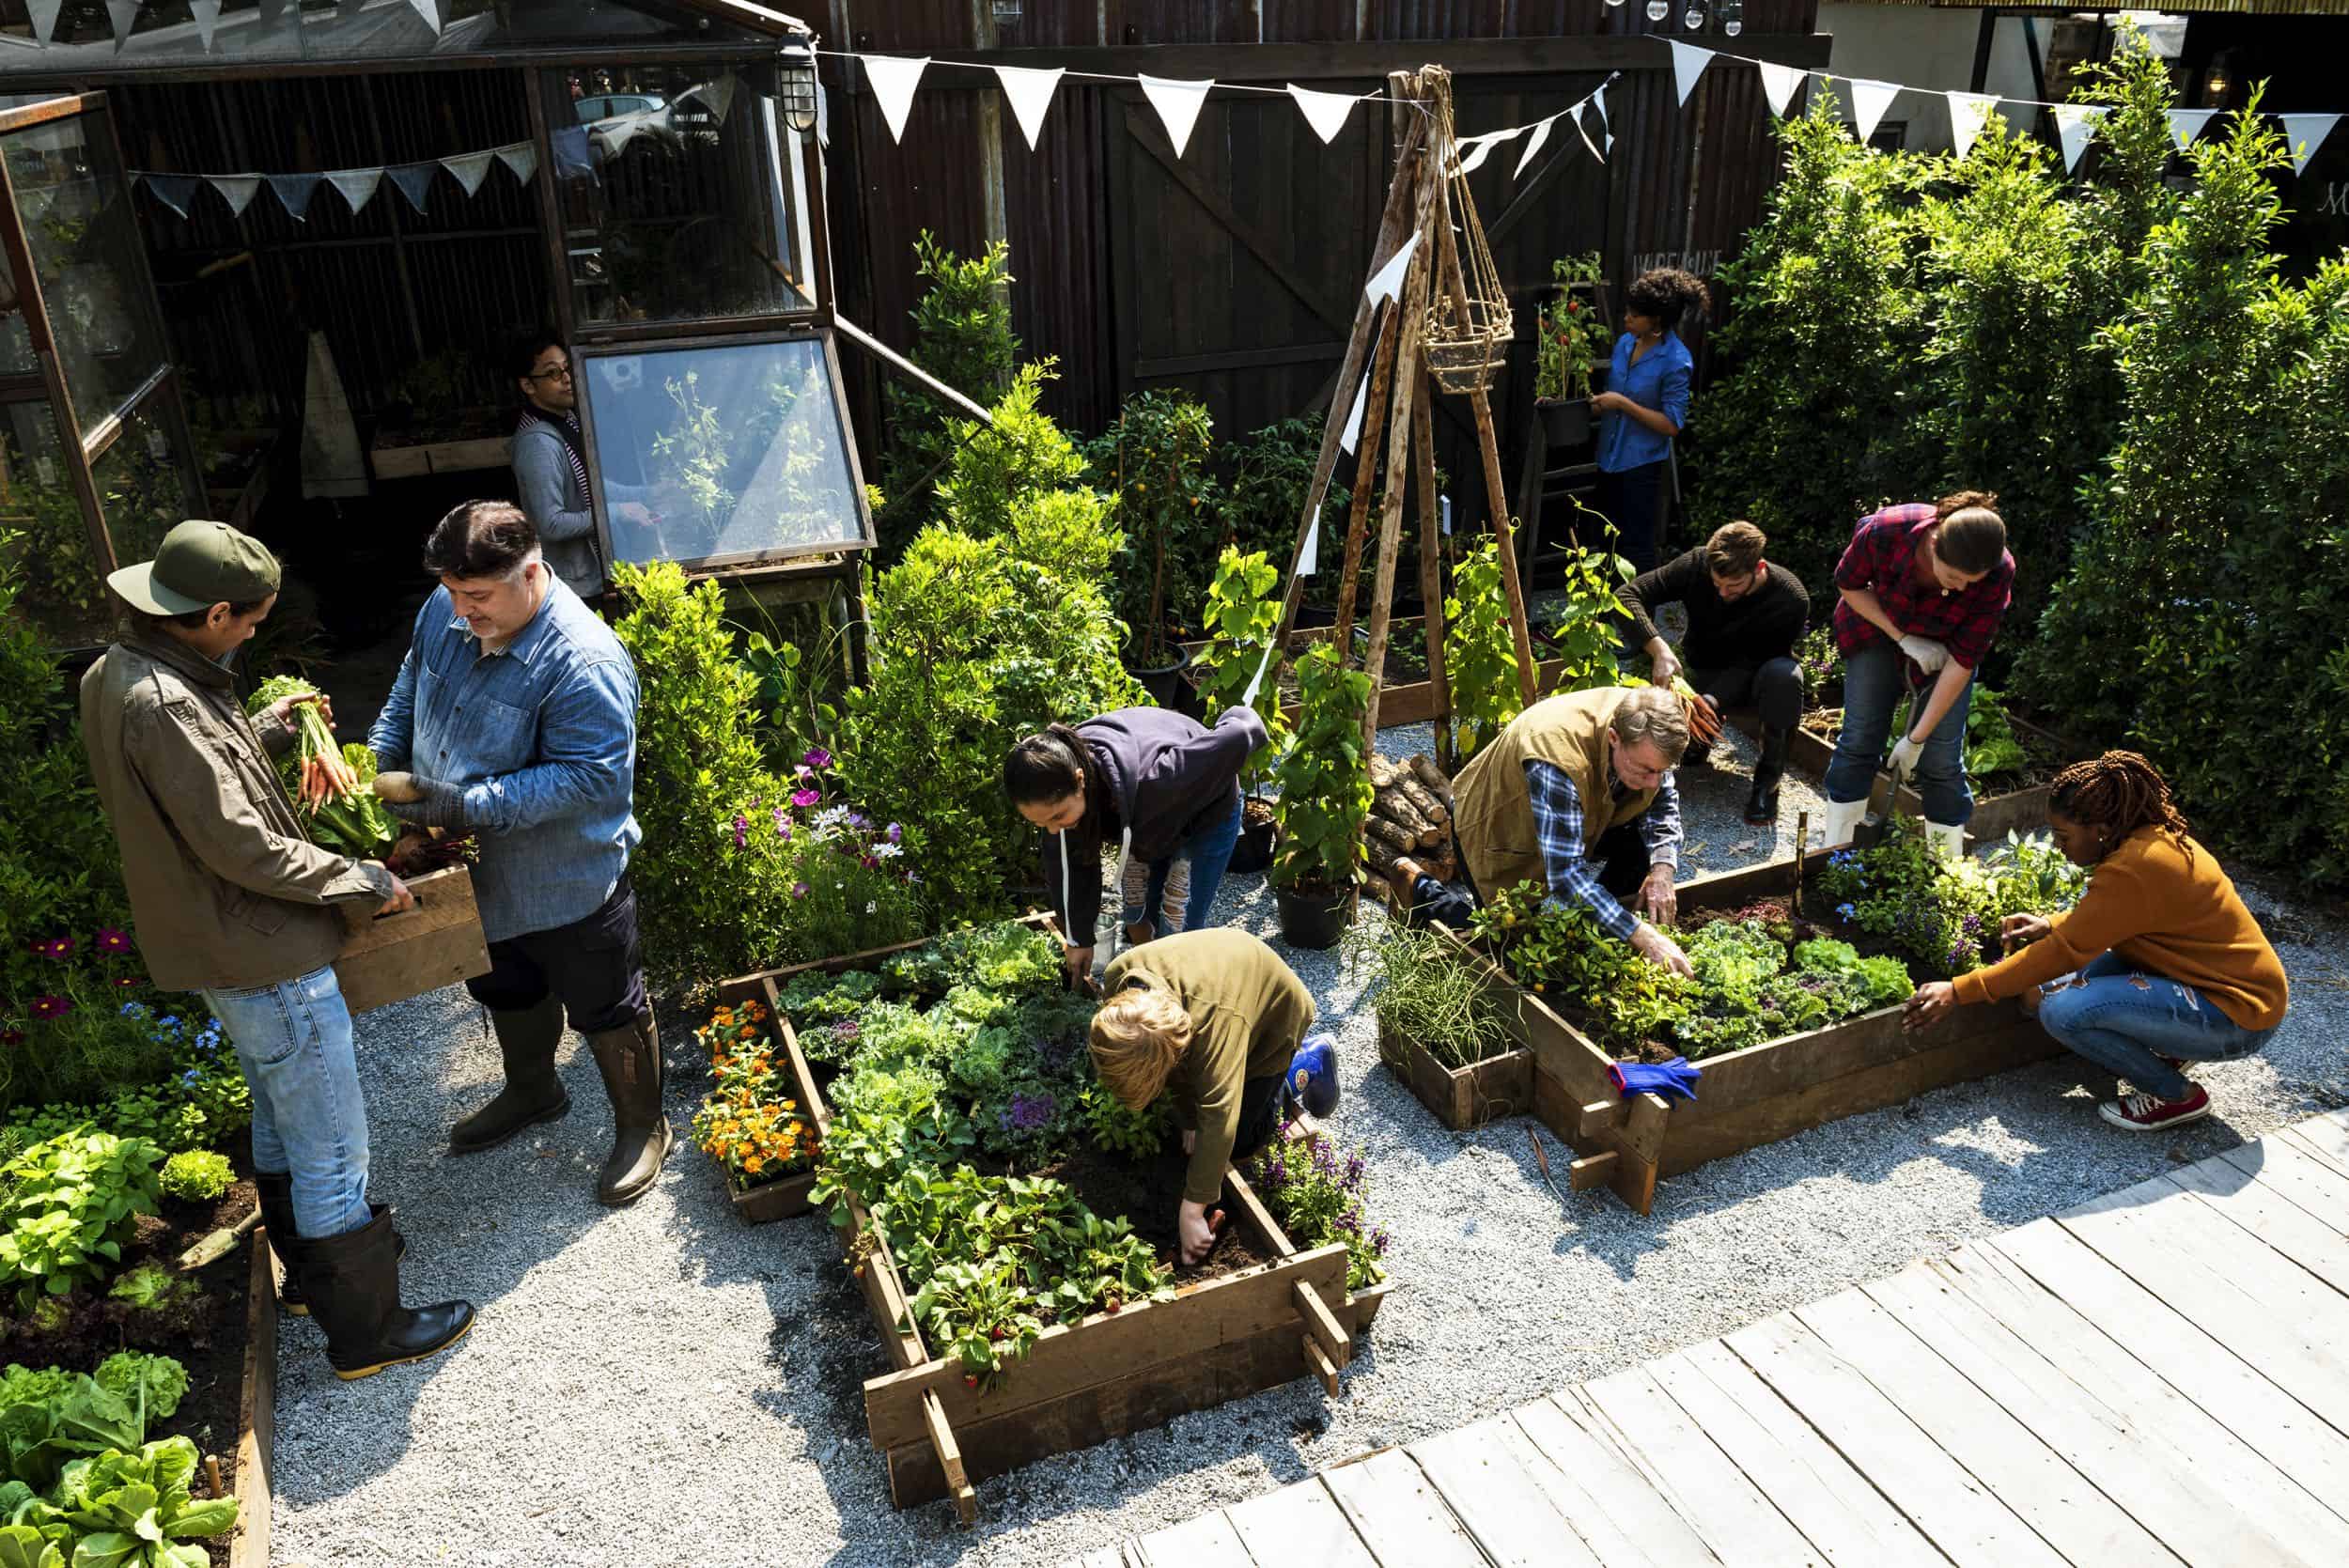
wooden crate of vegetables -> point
(1760, 967)
(996, 1363)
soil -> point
(1256, 812)
(1147, 1195)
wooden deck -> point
(2157, 1378)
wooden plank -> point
(1103, 1557)
(2262, 1212)
(950, 1462)
(2130, 1348)
(2044, 1490)
(1959, 1515)
(1298, 1526)
(1735, 1520)
(2123, 1445)
(1317, 1362)
(1320, 1325)
(257, 1414)
(2327, 1137)
(1205, 1542)
(1396, 1511)
(1833, 1505)
(2299, 1177)
(1622, 1499)
(1588, 1514)
(1508, 1514)
(1259, 1219)
(1592, 1171)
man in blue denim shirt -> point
(516, 712)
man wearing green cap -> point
(233, 901)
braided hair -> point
(2121, 792)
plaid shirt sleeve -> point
(1558, 827)
(1875, 544)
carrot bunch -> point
(328, 781)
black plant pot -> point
(1314, 919)
(1163, 681)
(1565, 421)
(1257, 840)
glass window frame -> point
(741, 561)
(157, 396)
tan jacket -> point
(227, 891)
(1495, 819)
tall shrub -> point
(962, 335)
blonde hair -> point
(1137, 1037)
(1653, 714)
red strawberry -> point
(971, 1379)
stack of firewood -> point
(1410, 813)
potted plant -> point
(1242, 615)
(1324, 798)
(1576, 345)
(1161, 446)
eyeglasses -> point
(556, 373)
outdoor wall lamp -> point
(1004, 10)
(1692, 17)
(1733, 16)
(799, 86)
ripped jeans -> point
(2126, 1019)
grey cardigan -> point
(556, 504)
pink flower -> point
(804, 799)
(111, 941)
(126, 982)
(56, 947)
(799, 889)
(741, 830)
(51, 1007)
(818, 758)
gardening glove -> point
(1639, 1078)
(1926, 654)
(1905, 756)
(438, 805)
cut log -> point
(1395, 808)
(1400, 839)
(1383, 854)
(1382, 773)
(1408, 785)
(1423, 768)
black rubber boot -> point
(352, 1282)
(533, 1094)
(277, 1218)
(1762, 805)
(629, 1060)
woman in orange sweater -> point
(2171, 967)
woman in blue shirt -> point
(1644, 407)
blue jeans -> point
(1874, 684)
(2119, 1017)
(1209, 851)
(309, 1120)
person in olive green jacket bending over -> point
(1216, 1019)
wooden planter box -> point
(783, 1198)
(1081, 1383)
(393, 957)
(256, 1412)
(1461, 1097)
(439, 457)
(1995, 815)
(1753, 1096)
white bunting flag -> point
(1584, 131)
(1779, 83)
(717, 93)
(174, 191)
(1689, 63)
(1387, 283)
(207, 19)
(415, 180)
(294, 191)
(358, 186)
(470, 169)
(2187, 124)
(1605, 121)
(1178, 103)
(122, 13)
(1309, 561)
(1443, 509)
(2074, 124)
(1354, 421)
(430, 11)
(1031, 94)
(44, 15)
(1869, 100)
(237, 190)
(1477, 148)
(1533, 145)
(1325, 112)
(892, 80)
(520, 157)
(2304, 134)
(1968, 114)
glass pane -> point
(16, 339)
(717, 452)
(41, 528)
(86, 247)
(140, 484)
(673, 196)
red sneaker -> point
(2143, 1112)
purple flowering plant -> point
(1318, 1196)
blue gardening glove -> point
(443, 805)
(1639, 1078)
(1314, 1075)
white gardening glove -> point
(1905, 756)
(1928, 655)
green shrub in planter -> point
(1243, 612)
(1325, 780)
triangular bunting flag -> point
(1178, 103)
(1584, 131)
(207, 19)
(470, 169)
(1477, 148)
(294, 191)
(1387, 283)
(1533, 145)
(1869, 100)
(1689, 63)
(1605, 121)
(1031, 95)
(2187, 124)
(521, 158)
(430, 11)
(122, 13)
(572, 159)
(358, 186)
(1354, 421)
(415, 180)
(2304, 134)
(44, 15)
(1325, 112)
(718, 92)
(237, 190)
(892, 81)
(1779, 83)
(2074, 124)
(1968, 114)
(1309, 561)
(174, 191)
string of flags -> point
(203, 14)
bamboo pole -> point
(1431, 577)
(1365, 470)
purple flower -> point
(56, 947)
(1354, 1171)
(858, 819)
(741, 830)
(51, 1007)
(817, 757)
(111, 941)
(804, 799)
(799, 889)
(893, 834)
(782, 825)
(1029, 1112)
(1379, 1242)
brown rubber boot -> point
(629, 1060)
(527, 1040)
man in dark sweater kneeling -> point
(1745, 616)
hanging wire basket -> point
(1464, 336)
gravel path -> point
(664, 1386)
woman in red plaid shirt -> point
(1923, 588)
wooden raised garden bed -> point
(392, 957)
(1461, 1097)
(392, 459)
(2021, 810)
(1080, 1384)
(257, 1413)
(1750, 1097)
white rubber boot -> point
(1843, 820)
(1948, 842)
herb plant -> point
(1426, 995)
(1317, 1198)
(195, 1176)
(74, 1202)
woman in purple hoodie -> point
(1151, 782)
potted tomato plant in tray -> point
(1574, 347)
(1325, 799)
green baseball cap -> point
(200, 565)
